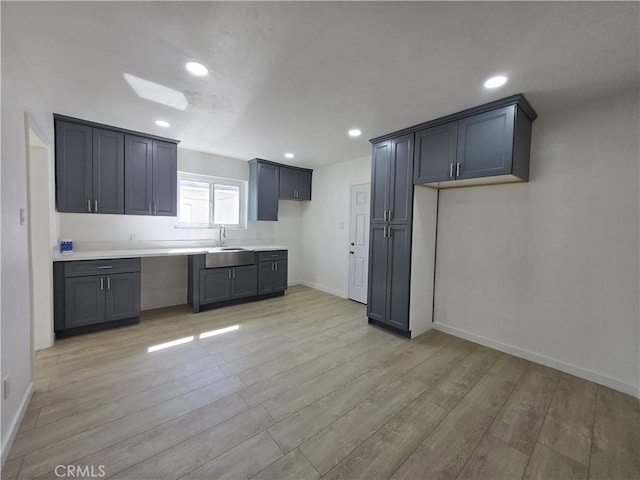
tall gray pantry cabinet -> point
(390, 233)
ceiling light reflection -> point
(156, 92)
(172, 343)
(219, 331)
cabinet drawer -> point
(272, 255)
(101, 267)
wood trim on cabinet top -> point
(79, 121)
(518, 100)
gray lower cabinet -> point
(389, 275)
(272, 276)
(228, 283)
(92, 294)
(151, 177)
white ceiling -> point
(295, 76)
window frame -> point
(212, 181)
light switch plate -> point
(22, 216)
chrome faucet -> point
(222, 235)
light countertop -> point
(152, 252)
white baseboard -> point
(322, 288)
(543, 359)
(15, 422)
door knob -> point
(351, 252)
(352, 244)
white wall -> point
(20, 95)
(324, 245)
(423, 255)
(549, 269)
(164, 280)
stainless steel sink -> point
(229, 257)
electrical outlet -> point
(6, 387)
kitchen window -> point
(208, 202)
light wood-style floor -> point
(304, 388)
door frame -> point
(348, 240)
(42, 335)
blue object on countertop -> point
(66, 246)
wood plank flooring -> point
(305, 388)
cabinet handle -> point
(234, 273)
(384, 231)
(389, 216)
(384, 217)
(273, 267)
(458, 169)
(276, 265)
(95, 206)
(101, 283)
(155, 208)
(149, 209)
(451, 169)
(389, 231)
(105, 267)
(229, 274)
(108, 283)
(89, 206)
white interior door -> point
(359, 242)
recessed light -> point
(355, 132)
(289, 155)
(495, 82)
(163, 123)
(196, 68)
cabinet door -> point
(108, 171)
(398, 276)
(84, 301)
(401, 180)
(288, 182)
(380, 171)
(435, 157)
(74, 167)
(138, 175)
(165, 178)
(122, 296)
(215, 285)
(485, 143)
(280, 275)
(304, 185)
(377, 286)
(244, 281)
(265, 277)
(268, 188)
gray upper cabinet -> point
(482, 145)
(108, 171)
(103, 169)
(264, 186)
(165, 178)
(392, 181)
(139, 175)
(380, 174)
(295, 183)
(485, 144)
(151, 177)
(74, 167)
(89, 169)
(436, 153)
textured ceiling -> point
(296, 76)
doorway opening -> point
(359, 242)
(39, 218)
